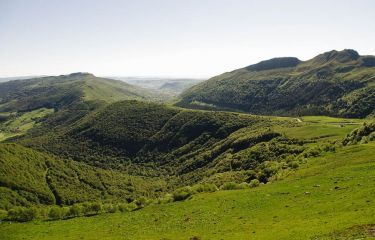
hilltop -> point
(64, 90)
(335, 83)
(60, 99)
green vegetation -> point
(81, 149)
(28, 178)
(326, 198)
(188, 146)
(15, 124)
(336, 83)
(26, 102)
(61, 91)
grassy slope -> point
(340, 190)
(112, 90)
(21, 123)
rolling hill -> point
(78, 145)
(186, 146)
(335, 83)
(60, 99)
(60, 91)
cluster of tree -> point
(363, 134)
(24, 214)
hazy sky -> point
(185, 38)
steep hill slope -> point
(335, 83)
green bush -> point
(96, 207)
(74, 211)
(3, 214)
(166, 199)
(142, 202)
(204, 187)
(110, 208)
(56, 213)
(231, 186)
(132, 206)
(123, 207)
(293, 165)
(182, 193)
(314, 152)
(254, 183)
(22, 214)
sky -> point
(174, 38)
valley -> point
(79, 152)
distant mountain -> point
(335, 83)
(59, 91)
(169, 86)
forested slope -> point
(335, 83)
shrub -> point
(243, 185)
(230, 186)
(3, 214)
(254, 183)
(96, 207)
(142, 202)
(204, 187)
(166, 199)
(43, 213)
(312, 152)
(182, 193)
(110, 208)
(123, 207)
(250, 175)
(21, 214)
(74, 211)
(293, 165)
(132, 206)
(56, 213)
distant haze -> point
(189, 39)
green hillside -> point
(177, 173)
(60, 91)
(329, 197)
(28, 178)
(70, 96)
(156, 140)
(188, 146)
(335, 83)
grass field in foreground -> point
(327, 198)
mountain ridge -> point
(335, 83)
